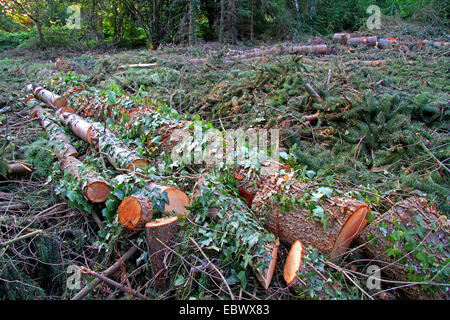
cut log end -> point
(354, 225)
(137, 164)
(135, 212)
(97, 192)
(61, 102)
(293, 262)
(161, 222)
(178, 200)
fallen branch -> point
(113, 283)
(88, 288)
(20, 238)
(214, 267)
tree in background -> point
(24, 11)
(132, 23)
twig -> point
(214, 267)
(113, 283)
(25, 236)
(433, 156)
(83, 292)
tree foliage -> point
(130, 23)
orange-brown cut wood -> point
(159, 236)
(134, 212)
(293, 262)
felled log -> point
(62, 147)
(159, 236)
(16, 169)
(318, 49)
(80, 127)
(94, 188)
(437, 43)
(178, 200)
(321, 49)
(385, 43)
(51, 99)
(134, 212)
(368, 63)
(138, 65)
(119, 155)
(342, 38)
(416, 230)
(296, 223)
(369, 41)
(248, 182)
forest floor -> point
(382, 132)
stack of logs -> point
(135, 212)
(294, 228)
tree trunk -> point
(385, 43)
(270, 249)
(42, 43)
(93, 188)
(297, 222)
(222, 21)
(342, 38)
(80, 127)
(119, 155)
(136, 210)
(369, 41)
(51, 99)
(159, 235)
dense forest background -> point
(109, 24)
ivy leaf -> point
(111, 97)
(328, 192)
(243, 279)
(179, 280)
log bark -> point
(134, 212)
(119, 155)
(17, 169)
(430, 234)
(80, 127)
(369, 41)
(342, 38)
(51, 99)
(318, 49)
(159, 236)
(94, 188)
(297, 222)
(385, 43)
(62, 147)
